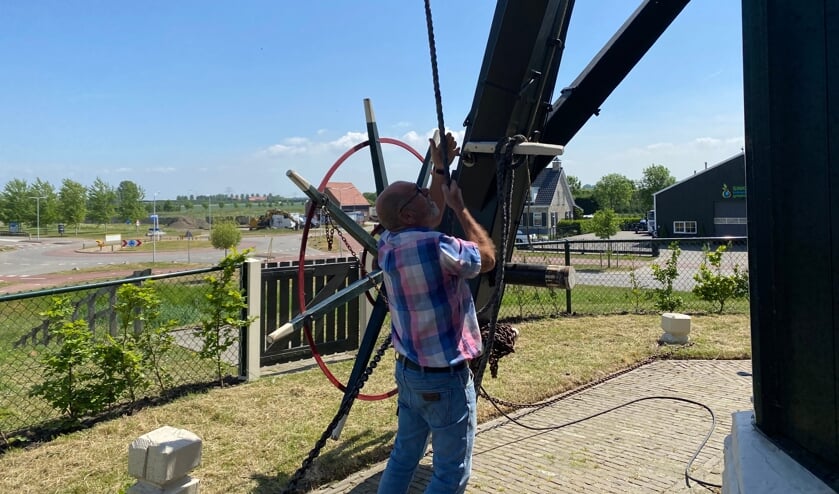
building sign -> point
(734, 192)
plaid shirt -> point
(432, 313)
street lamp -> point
(38, 213)
(191, 206)
(154, 227)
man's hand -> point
(454, 197)
(451, 152)
(440, 173)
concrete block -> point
(755, 465)
(164, 455)
(676, 327)
(187, 485)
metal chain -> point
(329, 228)
(345, 241)
(505, 165)
(332, 229)
(344, 410)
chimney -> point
(557, 164)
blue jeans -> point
(443, 405)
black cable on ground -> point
(688, 477)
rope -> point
(438, 98)
(504, 177)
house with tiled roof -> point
(349, 198)
(550, 201)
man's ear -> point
(407, 217)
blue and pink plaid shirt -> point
(431, 308)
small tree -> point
(143, 331)
(636, 293)
(72, 203)
(604, 224)
(101, 202)
(70, 376)
(714, 286)
(225, 302)
(665, 300)
(225, 235)
(614, 191)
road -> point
(29, 258)
(52, 255)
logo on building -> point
(735, 191)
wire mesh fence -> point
(77, 351)
(642, 275)
(110, 344)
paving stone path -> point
(643, 447)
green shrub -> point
(664, 298)
(224, 304)
(714, 286)
(146, 334)
(71, 380)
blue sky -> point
(196, 97)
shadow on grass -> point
(349, 457)
(60, 426)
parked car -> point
(522, 242)
(301, 220)
(155, 232)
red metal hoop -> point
(301, 296)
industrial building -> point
(710, 203)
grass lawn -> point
(256, 435)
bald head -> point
(389, 202)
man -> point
(435, 329)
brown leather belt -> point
(409, 364)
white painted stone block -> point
(754, 465)
(676, 327)
(164, 455)
(187, 485)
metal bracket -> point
(522, 149)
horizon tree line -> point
(100, 203)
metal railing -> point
(28, 338)
(616, 276)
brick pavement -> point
(643, 447)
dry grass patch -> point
(256, 435)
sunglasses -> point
(419, 190)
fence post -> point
(249, 337)
(567, 290)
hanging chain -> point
(331, 230)
(345, 241)
(328, 227)
(505, 165)
(343, 411)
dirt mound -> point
(187, 223)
